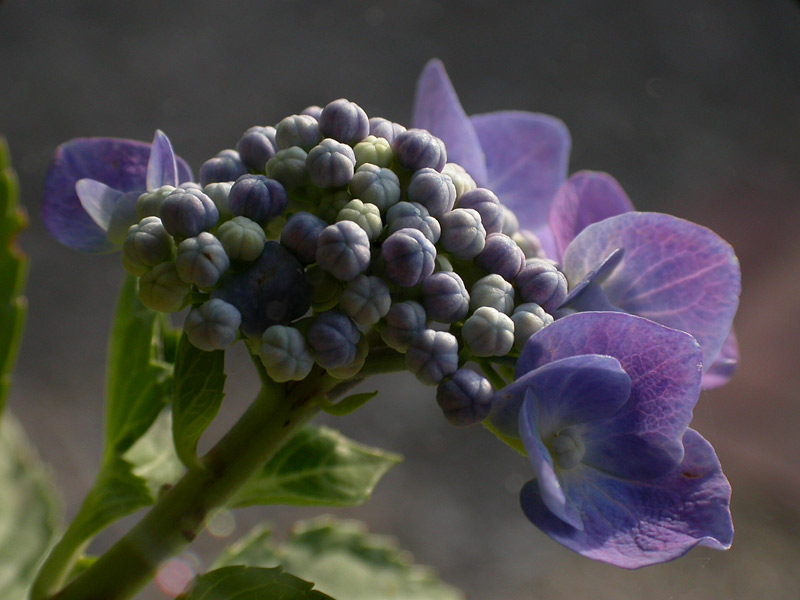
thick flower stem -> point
(178, 516)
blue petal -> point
(664, 366)
(724, 366)
(437, 109)
(588, 197)
(550, 489)
(674, 272)
(631, 524)
(118, 163)
(527, 156)
(569, 391)
(162, 168)
(98, 200)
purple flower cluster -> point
(461, 244)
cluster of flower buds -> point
(332, 233)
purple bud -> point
(343, 250)
(333, 338)
(344, 121)
(146, 245)
(301, 234)
(463, 235)
(488, 206)
(185, 213)
(414, 216)
(331, 164)
(258, 198)
(221, 168)
(214, 325)
(432, 356)
(445, 297)
(271, 291)
(501, 255)
(312, 111)
(416, 149)
(298, 130)
(201, 260)
(256, 147)
(465, 398)
(383, 128)
(434, 190)
(541, 282)
(409, 257)
(403, 322)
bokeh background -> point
(693, 106)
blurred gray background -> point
(693, 106)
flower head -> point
(601, 405)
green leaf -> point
(138, 383)
(318, 466)
(30, 515)
(343, 560)
(249, 583)
(153, 456)
(197, 396)
(13, 271)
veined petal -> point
(588, 197)
(724, 366)
(118, 163)
(634, 524)
(549, 487)
(527, 157)
(437, 109)
(674, 272)
(162, 168)
(569, 391)
(98, 200)
(664, 366)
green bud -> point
(488, 332)
(288, 167)
(373, 150)
(242, 239)
(284, 354)
(365, 215)
(148, 203)
(162, 289)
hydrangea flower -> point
(601, 404)
(110, 172)
(657, 266)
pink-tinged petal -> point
(588, 197)
(437, 109)
(631, 524)
(569, 391)
(162, 168)
(527, 158)
(549, 487)
(98, 200)
(664, 366)
(724, 366)
(118, 163)
(675, 272)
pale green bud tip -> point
(488, 332)
(284, 354)
(162, 289)
(242, 238)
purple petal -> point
(118, 163)
(527, 156)
(596, 276)
(724, 366)
(663, 364)
(588, 197)
(550, 489)
(437, 109)
(570, 391)
(674, 272)
(98, 200)
(632, 525)
(162, 169)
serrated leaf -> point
(138, 382)
(29, 512)
(318, 466)
(13, 271)
(153, 457)
(250, 583)
(343, 560)
(197, 396)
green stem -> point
(179, 515)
